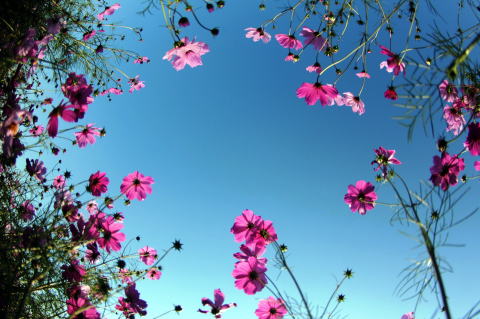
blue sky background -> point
(231, 135)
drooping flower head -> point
(361, 197)
(445, 170)
(363, 74)
(316, 67)
(288, 41)
(257, 34)
(473, 139)
(394, 63)
(390, 93)
(108, 11)
(98, 183)
(186, 52)
(354, 102)
(136, 185)
(250, 275)
(383, 159)
(217, 306)
(314, 38)
(271, 308)
(313, 92)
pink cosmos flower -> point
(291, 57)
(454, 118)
(473, 139)
(65, 112)
(73, 272)
(98, 183)
(111, 90)
(87, 135)
(245, 225)
(108, 11)
(363, 74)
(271, 308)
(78, 92)
(288, 41)
(74, 304)
(147, 255)
(445, 170)
(448, 91)
(37, 130)
(186, 52)
(246, 252)
(408, 315)
(88, 35)
(36, 168)
(124, 275)
(393, 64)
(59, 182)
(263, 235)
(361, 197)
(218, 306)
(135, 84)
(476, 165)
(257, 34)
(141, 60)
(250, 275)
(136, 185)
(154, 273)
(313, 37)
(111, 235)
(390, 93)
(354, 102)
(313, 92)
(314, 68)
(92, 207)
(383, 159)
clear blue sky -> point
(231, 135)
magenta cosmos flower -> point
(147, 255)
(316, 67)
(313, 92)
(141, 60)
(66, 112)
(383, 159)
(217, 305)
(136, 185)
(73, 272)
(98, 183)
(448, 91)
(476, 165)
(245, 225)
(314, 38)
(87, 135)
(361, 197)
(246, 252)
(75, 304)
(354, 102)
(111, 235)
(250, 275)
(257, 34)
(390, 93)
(271, 308)
(393, 64)
(363, 74)
(445, 170)
(264, 234)
(135, 84)
(408, 315)
(473, 139)
(186, 52)
(288, 41)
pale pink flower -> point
(454, 118)
(136, 185)
(258, 34)
(291, 57)
(288, 41)
(147, 255)
(476, 165)
(108, 11)
(135, 84)
(314, 68)
(313, 92)
(141, 60)
(313, 37)
(92, 207)
(87, 135)
(186, 52)
(448, 91)
(271, 308)
(363, 74)
(354, 101)
(408, 315)
(154, 273)
(111, 90)
(59, 182)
